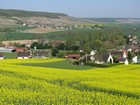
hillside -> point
(114, 20)
(18, 17)
(22, 13)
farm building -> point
(7, 50)
(40, 54)
(23, 55)
(73, 56)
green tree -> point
(34, 44)
(55, 52)
(130, 56)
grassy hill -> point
(22, 13)
(114, 20)
(38, 84)
(103, 20)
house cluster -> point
(49, 26)
(23, 53)
(36, 54)
(114, 56)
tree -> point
(62, 46)
(47, 46)
(55, 52)
(75, 48)
(23, 45)
(1, 44)
(129, 57)
(34, 44)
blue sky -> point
(79, 8)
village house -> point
(103, 58)
(119, 56)
(40, 54)
(23, 55)
(98, 58)
(135, 59)
(20, 49)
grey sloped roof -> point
(40, 53)
(101, 57)
(105, 57)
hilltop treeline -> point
(21, 13)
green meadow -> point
(56, 82)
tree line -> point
(100, 40)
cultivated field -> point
(40, 30)
(41, 82)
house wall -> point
(126, 62)
(26, 58)
(110, 58)
(124, 55)
(22, 57)
(135, 59)
(1, 58)
(19, 57)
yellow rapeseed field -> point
(23, 82)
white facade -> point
(126, 62)
(22, 57)
(135, 59)
(1, 58)
(92, 53)
(110, 59)
(124, 55)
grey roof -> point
(2, 49)
(40, 53)
(105, 57)
(101, 57)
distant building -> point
(8, 50)
(73, 56)
(135, 59)
(126, 62)
(23, 55)
(20, 49)
(40, 54)
(119, 56)
(103, 58)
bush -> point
(100, 65)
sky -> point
(79, 8)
